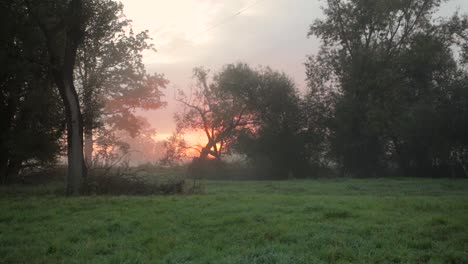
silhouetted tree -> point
(175, 149)
(277, 140)
(31, 116)
(62, 26)
(212, 109)
(385, 67)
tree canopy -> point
(389, 70)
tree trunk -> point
(88, 146)
(463, 166)
(207, 150)
(14, 167)
(76, 162)
(63, 41)
(6, 132)
(402, 161)
(204, 153)
(88, 118)
(3, 170)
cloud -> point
(184, 30)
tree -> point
(422, 134)
(276, 140)
(175, 148)
(363, 64)
(112, 81)
(43, 43)
(62, 26)
(212, 109)
(256, 112)
(31, 118)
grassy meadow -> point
(311, 221)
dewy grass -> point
(316, 221)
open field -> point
(313, 221)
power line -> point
(226, 19)
(222, 22)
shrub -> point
(127, 185)
(132, 181)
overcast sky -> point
(191, 33)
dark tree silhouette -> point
(386, 72)
(211, 109)
(62, 25)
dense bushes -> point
(142, 180)
(131, 185)
(123, 180)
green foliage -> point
(324, 221)
(31, 114)
(277, 141)
(385, 76)
(111, 78)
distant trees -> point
(253, 112)
(175, 149)
(111, 78)
(387, 75)
(388, 93)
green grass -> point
(321, 221)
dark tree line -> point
(395, 85)
(387, 95)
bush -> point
(128, 185)
(212, 169)
(133, 181)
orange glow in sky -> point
(195, 139)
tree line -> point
(387, 93)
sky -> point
(212, 33)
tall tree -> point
(365, 44)
(31, 116)
(111, 77)
(62, 26)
